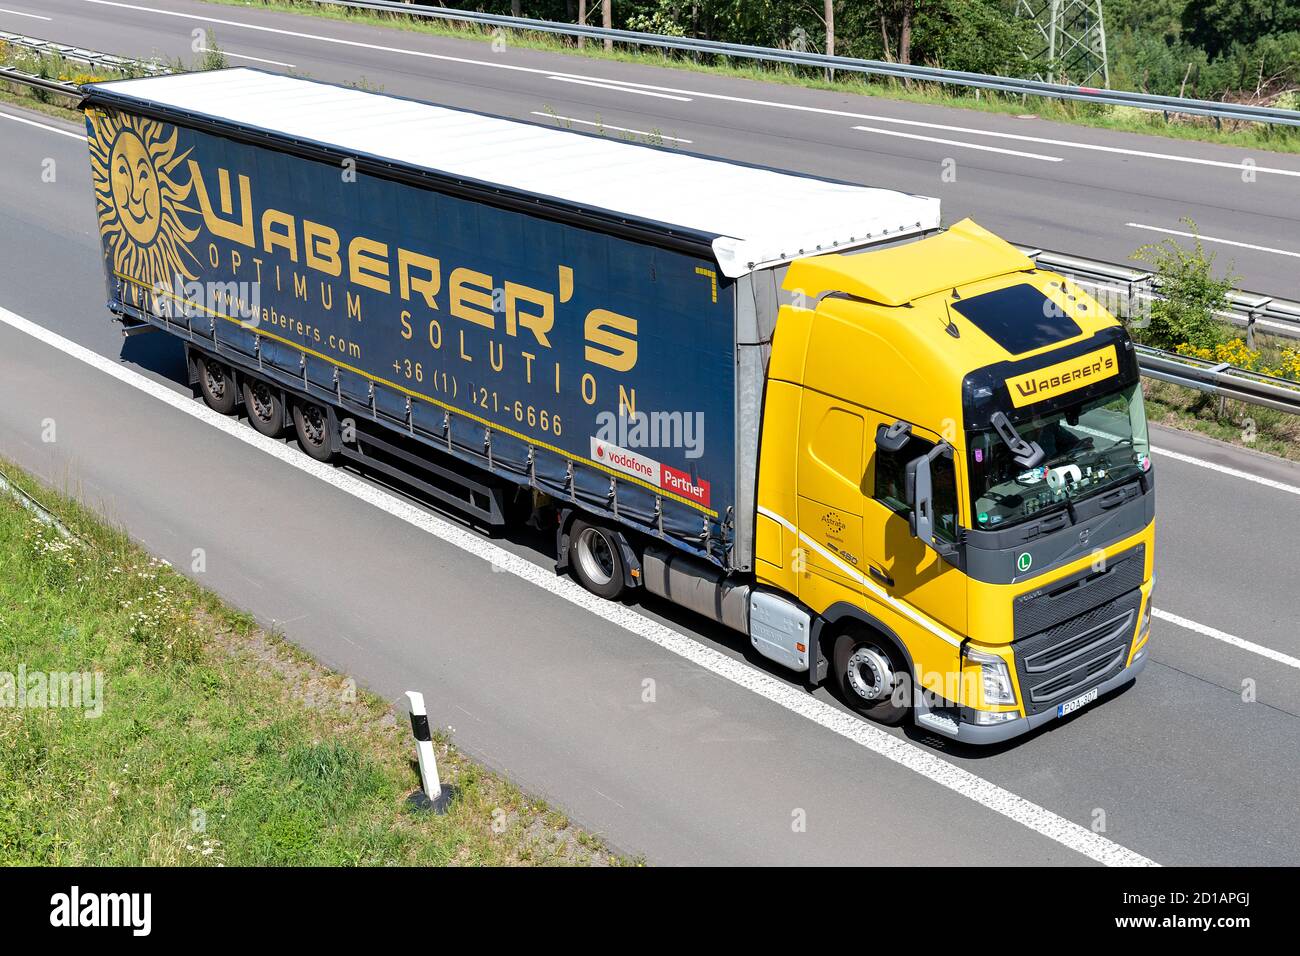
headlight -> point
(1144, 634)
(995, 679)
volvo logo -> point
(1084, 535)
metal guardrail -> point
(1124, 291)
(10, 75)
(92, 58)
(103, 61)
(1220, 379)
(822, 61)
(1128, 293)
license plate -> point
(1070, 706)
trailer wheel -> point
(217, 383)
(595, 558)
(312, 426)
(264, 405)
(870, 676)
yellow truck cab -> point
(971, 506)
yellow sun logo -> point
(140, 202)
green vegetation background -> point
(1202, 48)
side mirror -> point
(893, 437)
(920, 496)
(919, 490)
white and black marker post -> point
(434, 796)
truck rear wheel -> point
(264, 406)
(595, 559)
(217, 384)
(311, 424)
(870, 677)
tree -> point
(982, 36)
(1216, 25)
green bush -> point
(1192, 294)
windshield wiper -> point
(1027, 454)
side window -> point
(891, 477)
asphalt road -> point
(1061, 187)
(1180, 768)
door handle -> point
(880, 575)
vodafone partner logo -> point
(628, 462)
(680, 483)
(649, 470)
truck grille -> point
(1065, 660)
(1037, 611)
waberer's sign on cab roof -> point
(1045, 383)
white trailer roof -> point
(758, 216)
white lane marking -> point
(795, 699)
(245, 56)
(749, 101)
(46, 126)
(907, 609)
(954, 142)
(1218, 635)
(19, 13)
(322, 38)
(1094, 147)
(1187, 622)
(620, 129)
(617, 89)
(1226, 242)
(1225, 470)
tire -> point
(311, 424)
(870, 676)
(264, 406)
(595, 559)
(217, 385)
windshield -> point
(1087, 447)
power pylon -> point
(1070, 40)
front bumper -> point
(996, 733)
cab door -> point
(832, 436)
(899, 564)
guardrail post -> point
(434, 796)
(1215, 373)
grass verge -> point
(1237, 423)
(1124, 119)
(216, 743)
(14, 97)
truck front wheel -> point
(870, 677)
(264, 406)
(596, 560)
(217, 383)
(311, 424)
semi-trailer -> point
(892, 454)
